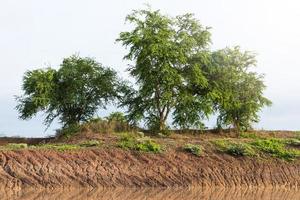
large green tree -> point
(239, 90)
(164, 51)
(73, 93)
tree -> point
(240, 91)
(163, 50)
(73, 93)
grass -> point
(59, 147)
(276, 148)
(235, 148)
(144, 144)
(16, 146)
(193, 149)
(273, 147)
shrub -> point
(127, 142)
(145, 144)
(148, 146)
(276, 148)
(15, 146)
(109, 125)
(68, 132)
(193, 149)
(235, 149)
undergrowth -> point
(235, 148)
(275, 147)
(193, 149)
(132, 142)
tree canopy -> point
(73, 93)
(164, 51)
(177, 77)
(240, 89)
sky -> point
(37, 34)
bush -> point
(235, 149)
(148, 146)
(15, 146)
(110, 125)
(144, 144)
(127, 141)
(68, 132)
(276, 148)
(193, 149)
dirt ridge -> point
(97, 168)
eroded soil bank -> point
(120, 168)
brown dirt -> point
(118, 168)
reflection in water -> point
(154, 194)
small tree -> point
(73, 93)
(163, 50)
(240, 91)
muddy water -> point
(153, 194)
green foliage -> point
(108, 125)
(240, 91)
(148, 146)
(193, 149)
(59, 147)
(276, 148)
(117, 116)
(127, 141)
(69, 131)
(234, 148)
(73, 93)
(16, 146)
(131, 142)
(164, 51)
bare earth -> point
(119, 168)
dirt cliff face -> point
(119, 168)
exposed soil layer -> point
(118, 168)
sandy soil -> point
(118, 168)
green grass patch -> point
(193, 149)
(59, 147)
(145, 144)
(16, 146)
(235, 148)
(276, 148)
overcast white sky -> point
(35, 34)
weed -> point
(59, 147)
(193, 149)
(235, 149)
(16, 146)
(276, 148)
(148, 146)
(145, 144)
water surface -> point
(154, 194)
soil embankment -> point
(119, 168)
